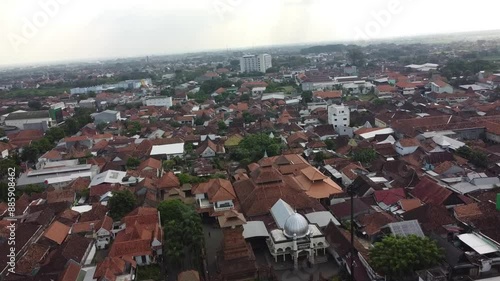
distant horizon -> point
(89, 60)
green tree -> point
(356, 56)
(330, 144)
(187, 178)
(198, 121)
(33, 188)
(101, 126)
(168, 164)
(121, 203)
(319, 157)
(43, 145)
(476, 157)
(307, 96)
(180, 219)
(253, 147)
(399, 256)
(29, 154)
(5, 165)
(133, 128)
(55, 134)
(133, 162)
(249, 118)
(71, 126)
(378, 102)
(35, 104)
(364, 155)
(222, 125)
(245, 97)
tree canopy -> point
(122, 203)
(55, 134)
(356, 56)
(35, 104)
(184, 231)
(476, 157)
(399, 256)
(364, 155)
(253, 147)
(307, 96)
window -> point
(143, 258)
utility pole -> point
(350, 189)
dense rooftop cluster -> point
(270, 159)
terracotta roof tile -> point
(57, 232)
(409, 142)
(431, 192)
(168, 180)
(409, 204)
(390, 196)
(71, 272)
(373, 223)
(328, 94)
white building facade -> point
(255, 63)
(159, 101)
(339, 116)
(295, 237)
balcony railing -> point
(221, 209)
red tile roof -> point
(390, 196)
(57, 232)
(168, 180)
(409, 142)
(142, 227)
(150, 163)
(431, 192)
(328, 94)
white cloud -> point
(102, 28)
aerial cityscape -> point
(370, 154)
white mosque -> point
(295, 237)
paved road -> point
(213, 242)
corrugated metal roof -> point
(280, 212)
(479, 244)
(406, 228)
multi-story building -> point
(158, 101)
(339, 116)
(23, 119)
(255, 63)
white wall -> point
(208, 153)
(20, 123)
(164, 101)
(339, 116)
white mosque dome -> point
(296, 226)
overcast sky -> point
(81, 29)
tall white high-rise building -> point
(339, 116)
(256, 63)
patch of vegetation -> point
(399, 256)
(122, 203)
(149, 272)
(364, 155)
(476, 157)
(182, 250)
